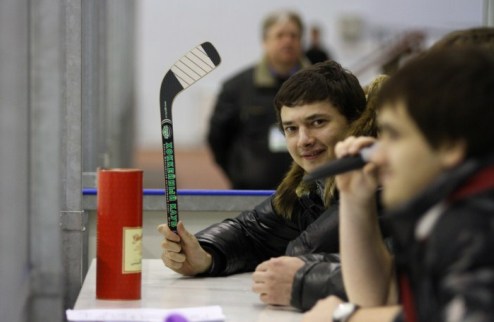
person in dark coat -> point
(242, 134)
(298, 224)
(435, 162)
(316, 52)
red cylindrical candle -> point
(119, 234)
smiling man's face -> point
(311, 132)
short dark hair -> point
(449, 94)
(326, 81)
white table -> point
(164, 289)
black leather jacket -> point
(240, 244)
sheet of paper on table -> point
(192, 314)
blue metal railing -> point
(194, 192)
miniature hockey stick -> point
(194, 65)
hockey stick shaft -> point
(189, 69)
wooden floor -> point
(196, 169)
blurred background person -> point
(243, 135)
(316, 52)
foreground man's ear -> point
(453, 153)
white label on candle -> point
(132, 250)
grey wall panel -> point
(14, 165)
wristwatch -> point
(343, 312)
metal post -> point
(489, 13)
(120, 95)
(72, 218)
(46, 88)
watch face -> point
(343, 311)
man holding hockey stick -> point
(315, 108)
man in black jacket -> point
(315, 108)
(242, 135)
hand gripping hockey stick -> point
(193, 66)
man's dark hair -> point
(449, 94)
(326, 81)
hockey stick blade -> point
(194, 65)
